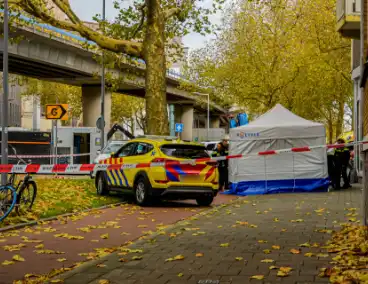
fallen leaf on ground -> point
(180, 275)
(103, 281)
(61, 259)
(266, 251)
(282, 274)
(322, 255)
(123, 260)
(104, 236)
(48, 251)
(239, 258)
(267, 260)
(224, 245)
(273, 267)
(7, 262)
(276, 247)
(137, 257)
(285, 269)
(262, 241)
(297, 221)
(17, 257)
(308, 254)
(258, 277)
(199, 254)
(14, 247)
(276, 219)
(305, 245)
(142, 226)
(295, 251)
(101, 265)
(40, 246)
(56, 281)
(178, 257)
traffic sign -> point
(100, 124)
(57, 111)
(179, 127)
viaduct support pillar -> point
(91, 106)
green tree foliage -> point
(145, 30)
(127, 111)
(51, 93)
(279, 51)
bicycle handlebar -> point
(20, 160)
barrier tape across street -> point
(47, 156)
(87, 168)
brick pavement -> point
(286, 220)
(122, 223)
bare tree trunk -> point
(154, 55)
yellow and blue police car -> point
(155, 170)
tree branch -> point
(141, 23)
(171, 13)
(64, 6)
(115, 45)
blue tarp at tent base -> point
(278, 186)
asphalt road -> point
(79, 237)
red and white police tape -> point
(87, 168)
(47, 156)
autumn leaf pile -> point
(350, 264)
(60, 196)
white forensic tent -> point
(287, 172)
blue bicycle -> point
(8, 199)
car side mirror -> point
(98, 152)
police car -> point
(171, 180)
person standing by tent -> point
(342, 158)
(331, 167)
(223, 167)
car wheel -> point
(204, 200)
(101, 185)
(141, 191)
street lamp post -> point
(208, 112)
(103, 80)
(4, 110)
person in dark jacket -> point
(223, 166)
(331, 167)
(342, 158)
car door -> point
(118, 177)
(142, 153)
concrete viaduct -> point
(52, 54)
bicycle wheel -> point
(26, 197)
(8, 198)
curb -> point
(139, 242)
(34, 223)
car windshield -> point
(184, 151)
(112, 148)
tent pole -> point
(265, 165)
(293, 171)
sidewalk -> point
(228, 245)
(85, 236)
